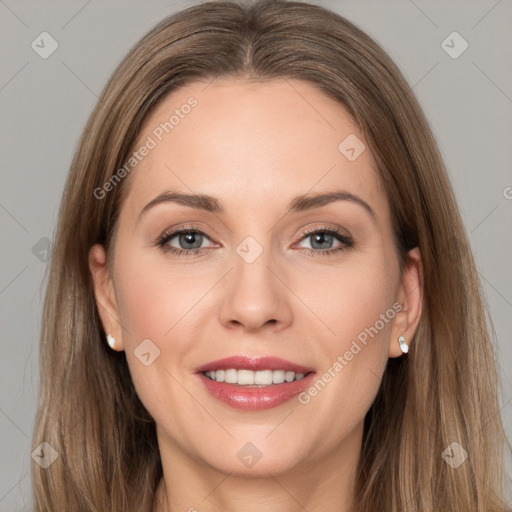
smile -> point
(254, 383)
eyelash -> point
(161, 242)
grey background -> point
(45, 102)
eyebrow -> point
(297, 204)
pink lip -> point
(253, 363)
(243, 397)
(255, 398)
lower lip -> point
(254, 399)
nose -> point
(255, 297)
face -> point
(290, 258)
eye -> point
(323, 240)
(189, 241)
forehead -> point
(252, 144)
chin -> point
(273, 464)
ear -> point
(105, 295)
(410, 298)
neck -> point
(317, 484)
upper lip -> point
(253, 363)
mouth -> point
(254, 383)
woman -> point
(261, 294)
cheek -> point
(153, 308)
(349, 299)
(353, 348)
(153, 300)
(159, 304)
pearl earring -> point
(403, 346)
(111, 340)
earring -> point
(403, 346)
(111, 340)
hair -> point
(445, 390)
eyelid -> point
(324, 228)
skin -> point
(255, 146)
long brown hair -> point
(443, 391)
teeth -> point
(278, 376)
(231, 376)
(246, 377)
(262, 377)
(289, 376)
(250, 378)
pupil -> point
(323, 239)
(189, 238)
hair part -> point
(444, 391)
